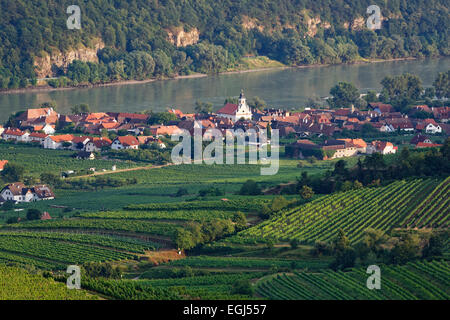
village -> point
(103, 131)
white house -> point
(18, 192)
(387, 128)
(383, 147)
(38, 137)
(56, 142)
(97, 144)
(433, 129)
(236, 112)
(16, 135)
(126, 142)
(48, 129)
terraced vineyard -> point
(434, 211)
(192, 215)
(62, 252)
(416, 280)
(382, 208)
(247, 263)
(211, 287)
(18, 284)
(247, 205)
(144, 227)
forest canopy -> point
(135, 34)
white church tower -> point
(238, 111)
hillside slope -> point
(416, 203)
(144, 39)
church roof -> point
(229, 108)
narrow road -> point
(100, 173)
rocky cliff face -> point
(51, 63)
(180, 38)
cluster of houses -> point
(339, 148)
(381, 117)
(17, 192)
(40, 126)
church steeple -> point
(242, 100)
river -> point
(286, 88)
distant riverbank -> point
(47, 88)
(287, 88)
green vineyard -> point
(144, 227)
(383, 208)
(17, 284)
(58, 251)
(416, 280)
(248, 263)
(192, 215)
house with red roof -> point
(380, 107)
(46, 216)
(97, 144)
(236, 112)
(427, 145)
(164, 130)
(3, 164)
(383, 147)
(57, 142)
(15, 135)
(38, 137)
(126, 142)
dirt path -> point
(101, 173)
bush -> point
(250, 188)
(34, 214)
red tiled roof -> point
(62, 138)
(133, 116)
(229, 108)
(80, 139)
(128, 141)
(14, 132)
(3, 164)
(38, 135)
(427, 145)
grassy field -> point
(37, 160)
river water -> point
(286, 88)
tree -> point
(34, 214)
(434, 246)
(306, 192)
(243, 287)
(12, 173)
(163, 63)
(80, 108)
(294, 243)
(344, 95)
(340, 168)
(257, 103)
(240, 220)
(341, 242)
(371, 96)
(203, 107)
(184, 239)
(162, 118)
(48, 104)
(406, 249)
(442, 85)
(250, 188)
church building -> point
(236, 112)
